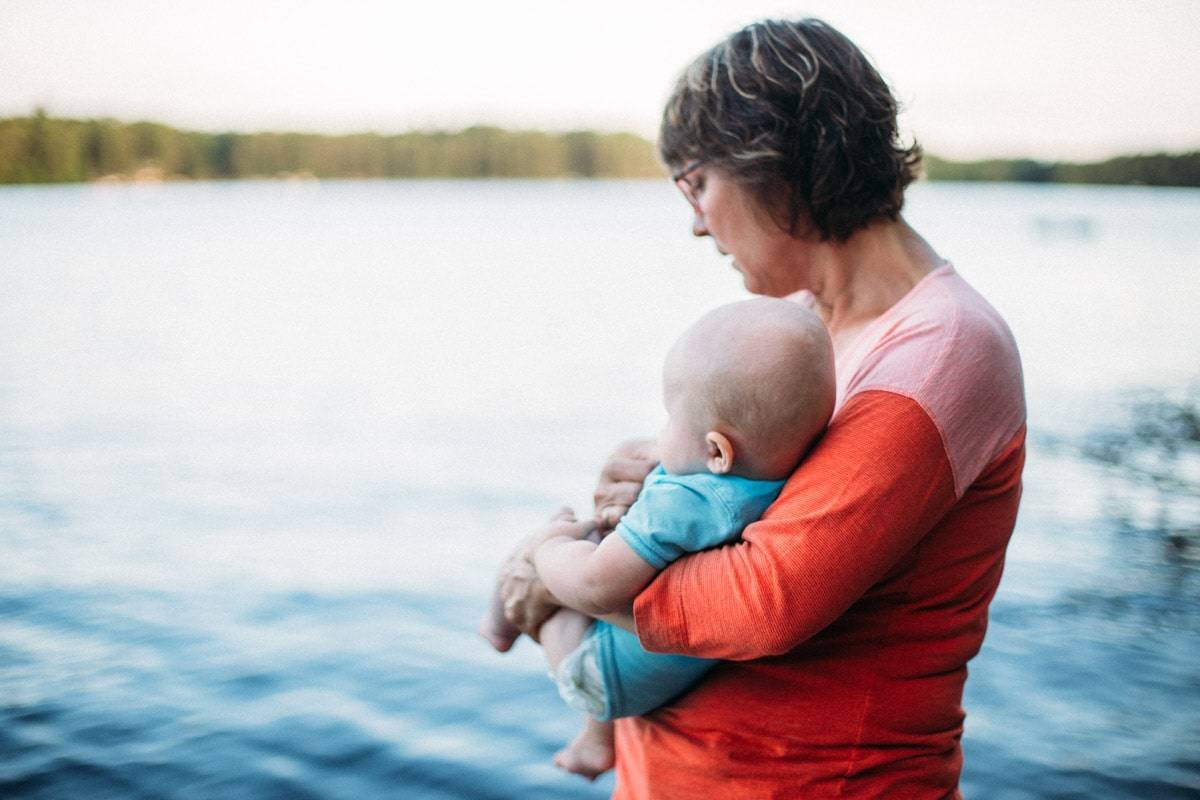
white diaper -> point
(578, 679)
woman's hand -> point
(621, 480)
(527, 601)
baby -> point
(748, 389)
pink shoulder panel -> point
(946, 348)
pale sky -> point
(1077, 79)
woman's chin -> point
(745, 278)
(752, 286)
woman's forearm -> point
(842, 521)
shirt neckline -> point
(866, 338)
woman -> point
(848, 613)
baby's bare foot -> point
(587, 755)
(501, 638)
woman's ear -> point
(720, 452)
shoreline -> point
(41, 149)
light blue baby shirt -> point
(678, 514)
(674, 515)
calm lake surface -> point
(262, 445)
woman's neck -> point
(855, 281)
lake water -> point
(262, 445)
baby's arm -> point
(597, 579)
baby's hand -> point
(565, 523)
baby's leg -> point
(562, 633)
(494, 627)
(592, 751)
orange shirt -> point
(849, 612)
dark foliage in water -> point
(1157, 446)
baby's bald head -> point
(759, 372)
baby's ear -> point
(720, 452)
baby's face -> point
(683, 451)
(681, 444)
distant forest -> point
(44, 149)
(1154, 169)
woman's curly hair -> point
(795, 112)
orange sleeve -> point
(874, 485)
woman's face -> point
(771, 262)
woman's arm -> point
(876, 483)
(621, 479)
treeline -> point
(1157, 169)
(44, 149)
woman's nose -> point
(698, 226)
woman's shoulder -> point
(941, 330)
(945, 347)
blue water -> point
(262, 445)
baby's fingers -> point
(576, 529)
(614, 499)
(608, 516)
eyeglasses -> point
(689, 191)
